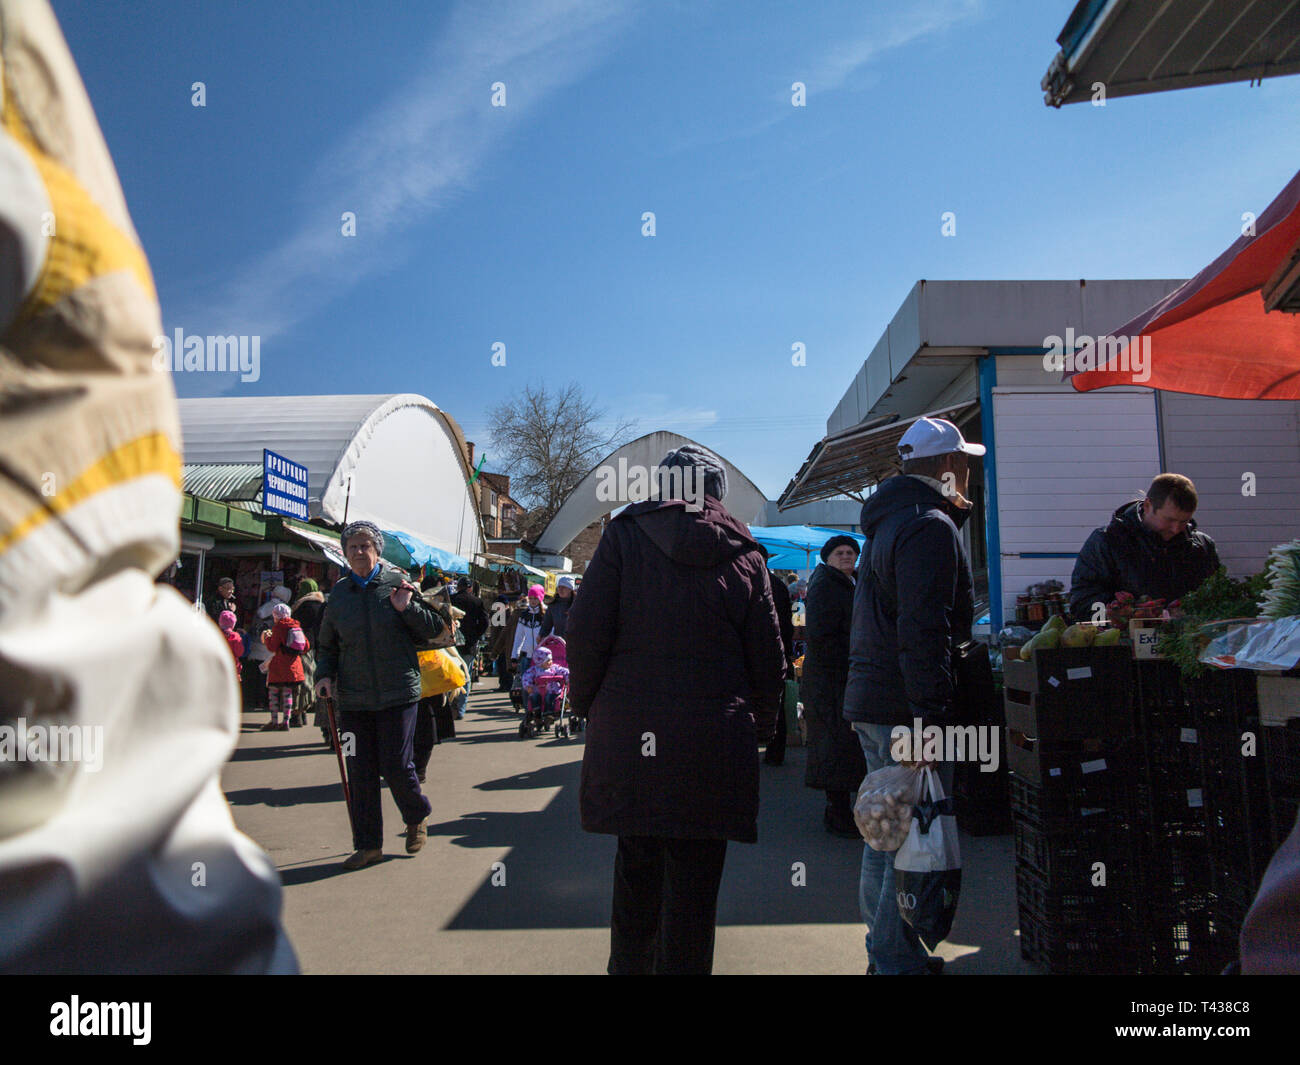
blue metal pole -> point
(988, 377)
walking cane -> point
(338, 751)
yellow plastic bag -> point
(439, 672)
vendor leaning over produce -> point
(1151, 547)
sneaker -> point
(416, 834)
(270, 726)
(363, 858)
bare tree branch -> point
(547, 441)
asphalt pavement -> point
(509, 883)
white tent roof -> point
(396, 460)
(584, 506)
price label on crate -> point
(1053, 682)
(1095, 766)
(1188, 735)
(1078, 673)
(1194, 798)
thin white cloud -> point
(414, 154)
(898, 28)
(846, 61)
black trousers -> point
(382, 741)
(665, 905)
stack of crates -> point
(1279, 711)
(1204, 865)
(1069, 722)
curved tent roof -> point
(585, 504)
(397, 460)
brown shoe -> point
(363, 858)
(416, 834)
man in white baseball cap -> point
(913, 604)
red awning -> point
(1212, 336)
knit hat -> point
(367, 527)
(280, 611)
(709, 465)
(537, 592)
(306, 586)
(226, 619)
(565, 582)
(541, 656)
(839, 541)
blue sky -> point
(522, 224)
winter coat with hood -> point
(913, 604)
(285, 667)
(675, 654)
(1126, 556)
(308, 610)
(835, 761)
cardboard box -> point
(1144, 633)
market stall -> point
(1150, 786)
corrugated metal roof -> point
(226, 482)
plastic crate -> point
(1282, 775)
(1091, 930)
(1159, 693)
(1079, 950)
(1163, 766)
(1066, 858)
(1072, 801)
(1237, 821)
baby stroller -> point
(569, 723)
(549, 709)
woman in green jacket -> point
(366, 661)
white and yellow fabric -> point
(126, 859)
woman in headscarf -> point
(835, 762)
(675, 658)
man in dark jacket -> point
(1151, 547)
(367, 660)
(675, 658)
(912, 606)
(223, 599)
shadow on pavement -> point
(332, 792)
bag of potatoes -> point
(883, 811)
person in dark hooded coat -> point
(835, 762)
(675, 659)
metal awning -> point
(325, 542)
(846, 462)
(1138, 46)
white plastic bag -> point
(927, 867)
(883, 811)
(1260, 645)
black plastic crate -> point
(1066, 858)
(1159, 692)
(1163, 766)
(1087, 949)
(1174, 865)
(1282, 774)
(1237, 821)
(1074, 800)
(1180, 940)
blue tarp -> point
(795, 546)
(422, 554)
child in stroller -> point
(545, 686)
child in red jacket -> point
(286, 641)
(226, 619)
